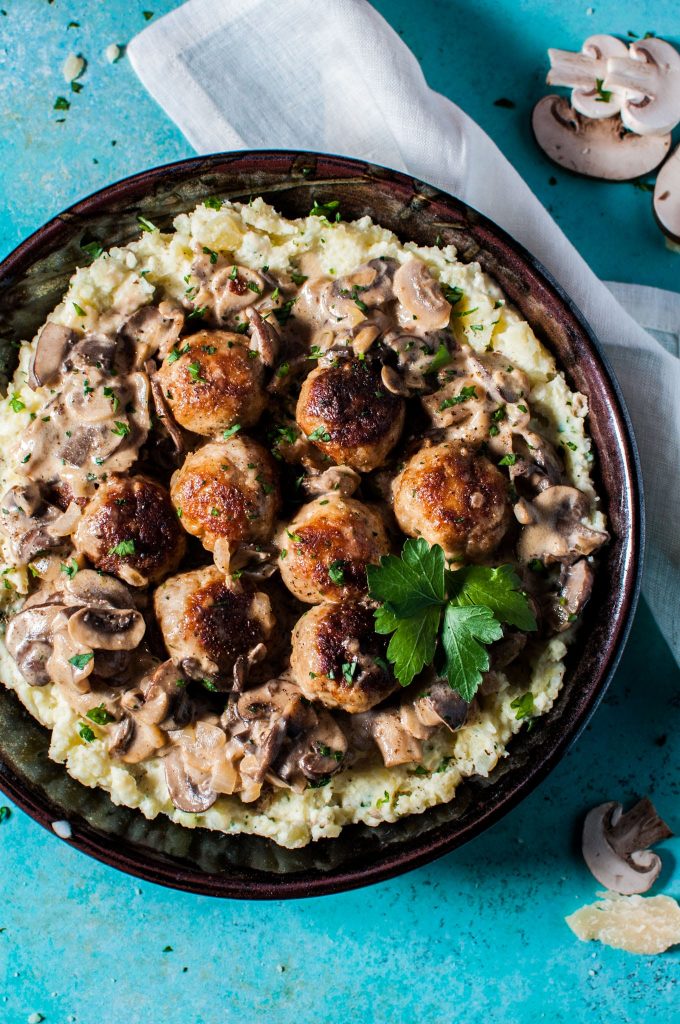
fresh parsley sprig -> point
(434, 613)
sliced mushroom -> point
(28, 641)
(108, 629)
(421, 296)
(136, 741)
(554, 530)
(32, 524)
(342, 480)
(153, 330)
(263, 337)
(649, 76)
(442, 706)
(163, 410)
(615, 845)
(666, 202)
(584, 74)
(396, 743)
(575, 587)
(47, 364)
(596, 149)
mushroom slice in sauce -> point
(421, 297)
(53, 343)
(554, 530)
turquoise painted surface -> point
(478, 936)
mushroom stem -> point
(637, 829)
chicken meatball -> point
(346, 411)
(324, 551)
(339, 659)
(212, 381)
(212, 623)
(455, 497)
(227, 491)
(130, 529)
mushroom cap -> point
(583, 71)
(650, 79)
(421, 296)
(666, 201)
(596, 149)
(610, 841)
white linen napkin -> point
(332, 76)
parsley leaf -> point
(412, 582)
(99, 715)
(413, 644)
(497, 589)
(419, 595)
(79, 661)
(465, 632)
(123, 548)
(523, 706)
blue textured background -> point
(478, 936)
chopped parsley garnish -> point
(145, 224)
(295, 537)
(319, 783)
(196, 313)
(283, 370)
(93, 249)
(61, 103)
(86, 733)
(384, 799)
(5, 813)
(147, 15)
(452, 293)
(254, 287)
(213, 203)
(110, 393)
(441, 358)
(603, 95)
(336, 572)
(79, 661)
(26, 458)
(319, 434)
(508, 460)
(99, 715)
(70, 568)
(522, 408)
(430, 609)
(230, 431)
(211, 253)
(284, 312)
(195, 372)
(523, 706)
(87, 388)
(499, 414)
(465, 394)
(570, 445)
(465, 312)
(266, 487)
(123, 548)
(121, 429)
(536, 565)
(79, 309)
(297, 278)
(208, 683)
(326, 210)
(16, 404)
(175, 353)
(349, 670)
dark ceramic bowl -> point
(32, 281)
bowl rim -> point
(125, 855)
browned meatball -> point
(339, 659)
(227, 490)
(131, 529)
(455, 497)
(209, 620)
(346, 411)
(215, 382)
(324, 551)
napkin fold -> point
(334, 77)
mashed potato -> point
(158, 265)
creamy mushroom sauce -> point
(207, 442)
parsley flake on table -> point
(452, 616)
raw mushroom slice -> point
(596, 149)
(616, 846)
(666, 202)
(649, 76)
(584, 74)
